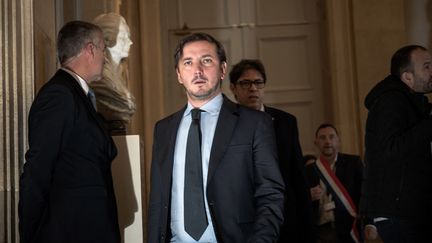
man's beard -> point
(202, 94)
(328, 151)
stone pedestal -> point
(127, 185)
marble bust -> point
(114, 101)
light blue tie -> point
(92, 98)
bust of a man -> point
(114, 101)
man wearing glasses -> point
(248, 79)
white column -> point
(16, 94)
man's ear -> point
(178, 76)
(90, 48)
(223, 70)
(233, 89)
(408, 79)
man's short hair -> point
(401, 60)
(325, 125)
(244, 65)
(198, 37)
(72, 38)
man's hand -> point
(316, 192)
(370, 232)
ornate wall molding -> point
(16, 95)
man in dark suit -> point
(241, 189)
(334, 218)
(66, 189)
(248, 79)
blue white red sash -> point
(339, 192)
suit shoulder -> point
(350, 158)
(252, 113)
(54, 90)
(61, 81)
(280, 114)
(169, 118)
(164, 120)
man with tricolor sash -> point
(337, 193)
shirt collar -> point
(212, 107)
(333, 163)
(80, 80)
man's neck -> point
(196, 103)
(79, 79)
(331, 158)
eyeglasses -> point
(247, 84)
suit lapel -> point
(167, 161)
(270, 112)
(224, 129)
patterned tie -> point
(195, 218)
(91, 96)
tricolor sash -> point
(338, 191)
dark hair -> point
(72, 38)
(198, 37)
(401, 59)
(244, 65)
(325, 125)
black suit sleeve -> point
(269, 186)
(154, 209)
(50, 120)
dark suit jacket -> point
(349, 171)
(299, 224)
(244, 185)
(66, 190)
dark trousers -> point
(396, 230)
(327, 233)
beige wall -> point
(341, 91)
(362, 36)
(379, 29)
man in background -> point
(397, 190)
(66, 189)
(337, 194)
(248, 79)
